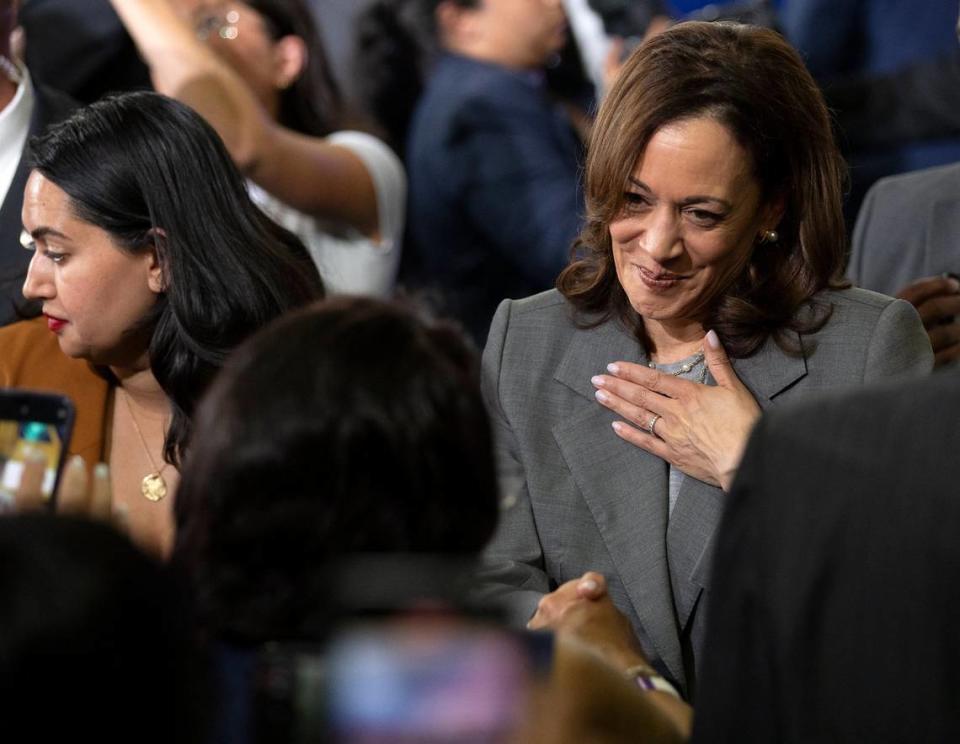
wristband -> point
(648, 678)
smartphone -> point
(32, 421)
(420, 680)
(429, 680)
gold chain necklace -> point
(152, 486)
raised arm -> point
(306, 172)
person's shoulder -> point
(473, 90)
(857, 312)
(362, 143)
(473, 76)
(31, 358)
(548, 301)
(383, 165)
(855, 297)
(26, 345)
(23, 335)
(533, 324)
(545, 310)
(867, 336)
(922, 185)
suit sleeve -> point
(512, 572)
(737, 690)
(900, 346)
(525, 191)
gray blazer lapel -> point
(624, 487)
(698, 509)
(942, 250)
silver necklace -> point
(688, 366)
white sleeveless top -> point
(348, 261)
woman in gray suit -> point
(705, 287)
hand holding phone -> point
(35, 431)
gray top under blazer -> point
(576, 497)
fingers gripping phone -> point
(32, 425)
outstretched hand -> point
(581, 610)
(587, 624)
(700, 429)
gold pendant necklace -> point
(152, 486)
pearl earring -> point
(769, 236)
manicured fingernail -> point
(597, 380)
(617, 427)
(588, 585)
(613, 368)
(35, 454)
(77, 463)
(954, 284)
(602, 396)
(713, 341)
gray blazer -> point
(576, 497)
(907, 228)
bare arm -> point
(306, 172)
(581, 614)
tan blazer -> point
(30, 358)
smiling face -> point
(94, 293)
(690, 221)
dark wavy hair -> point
(154, 175)
(353, 426)
(312, 104)
(752, 81)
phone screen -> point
(399, 680)
(31, 422)
(426, 682)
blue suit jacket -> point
(50, 106)
(495, 200)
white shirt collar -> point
(14, 128)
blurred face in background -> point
(246, 41)
(515, 33)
